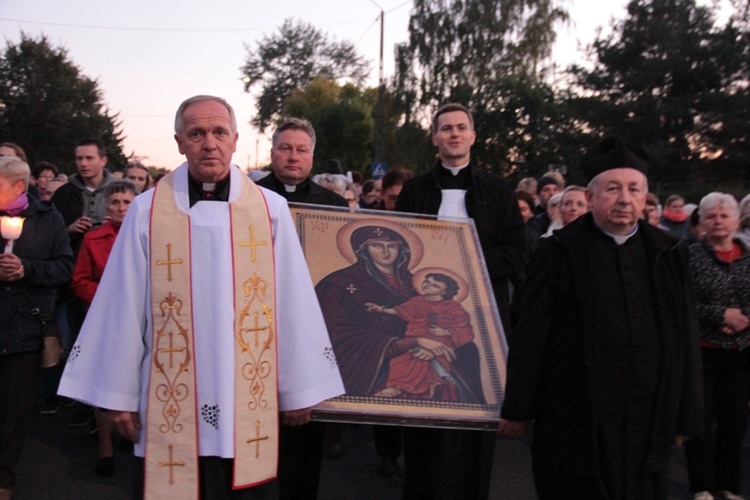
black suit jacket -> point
(307, 192)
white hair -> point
(715, 199)
(555, 199)
(179, 124)
(335, 182)
(14, 170)
(745, 212)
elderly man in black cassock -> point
(605, 357)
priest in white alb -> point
(205, 329)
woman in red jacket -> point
(97, 244)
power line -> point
(163, 30)
(396, 8)
(367, 30)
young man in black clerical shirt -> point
(458, 463)
(455, 187)
(292, 148)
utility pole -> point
(379, 110)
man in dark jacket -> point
(546, 187)
(605, 357)
(292, 148)
(446, 463)
(82, 200)
(457, 188)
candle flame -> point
(11, 227)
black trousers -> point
(551, 484)
(18, 379)
(714, 462)
(447, 464)
(388, 440)
(300, 459)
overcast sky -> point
(148, 56)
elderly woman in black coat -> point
(720, 265)
(39, 260)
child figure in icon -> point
(419, 373)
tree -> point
(461, 48)
(344, 121)
(531, 129)
(292, 58)
(668, 79)
(475, 52)
(49, 105)
(342, 117)
(405, 143)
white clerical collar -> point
(289, 188)
(208, 187)
(455, 170)
(620, 239)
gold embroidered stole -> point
(171, 421)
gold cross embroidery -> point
(171, 464)
(257, 328)
(169, 262)
(171, 350)
(252, 244)
(257, 439)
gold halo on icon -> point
(463, 285)
(343, 239)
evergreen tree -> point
(49, 105)
(668, 79)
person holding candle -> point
(37, 259)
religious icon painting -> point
(411, 316)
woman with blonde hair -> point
(573, 204)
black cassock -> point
(605, 361)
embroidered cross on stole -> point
(171, 420)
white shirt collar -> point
(620, 239)
(455, 170)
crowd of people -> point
(628, 322)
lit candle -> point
(11, 228)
